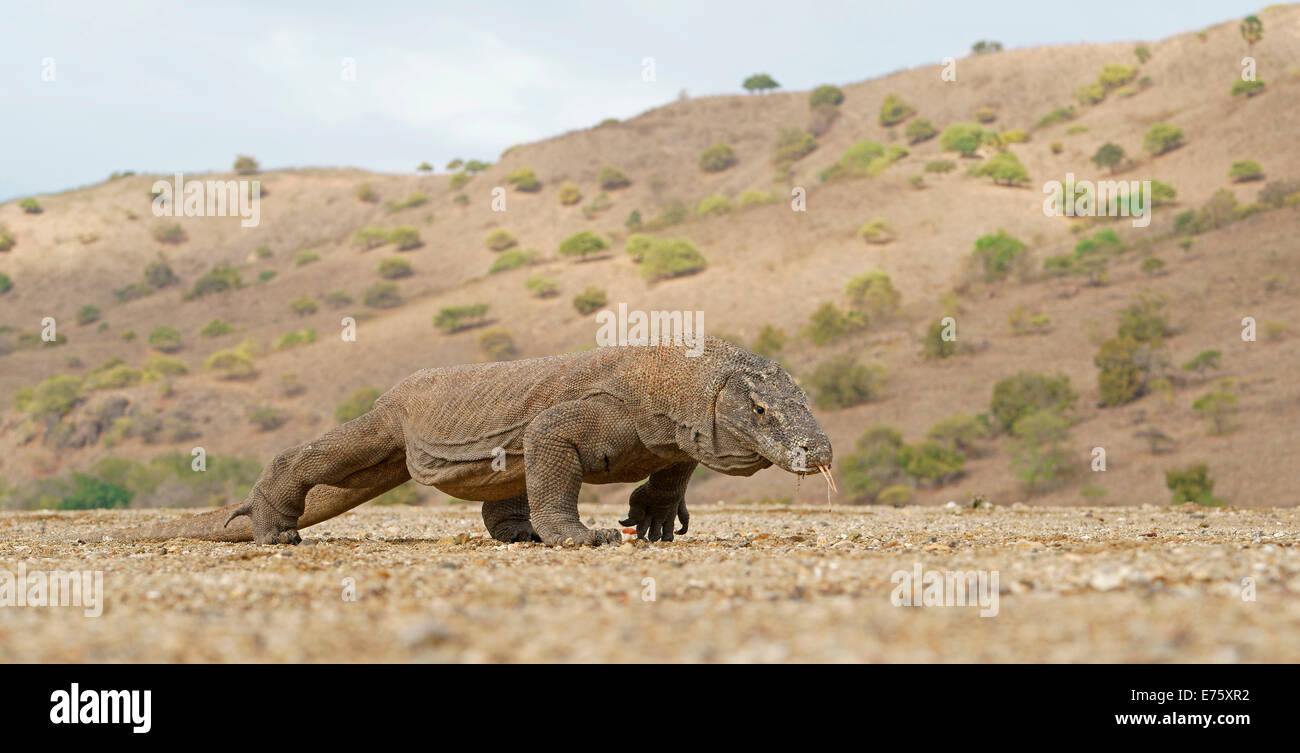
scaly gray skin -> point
(609, 415)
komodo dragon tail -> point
(231, 523)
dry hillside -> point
(767, 265)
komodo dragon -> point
(609, 415)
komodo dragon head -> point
(762, 417)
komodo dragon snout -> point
(763, 411)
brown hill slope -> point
(767, 265)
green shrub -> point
(369, 237)
(6, 284)
(759, 82)
(930, 462)
(828, 323)
(1121, 378)
(825, 95)
(166, 339)
(542, 287)
(569, 195)
(638, 245)
(266, 417)
(920, 130)
(674, 257)
(232, 363)
(963, 138)
(112, 374)
(935, 345)
(756, 198)
(458, 181)
(90, 493)
(245, 165)
(87, 314)
(1245, 170)
(172, 233)
(633, 221)
(1218, 408)
(1142, 52)
(986, 46)
(1249, 88)
(357, 404)
(1004, 168)
(6, 239)
(895, 496)
(405, 237)
(873, 295)
(612, 178)
(962, 433)
(997, 254)
(338, 299)
(842, 382)
(297, 337)
(894, 110)
(1059, 115)
(166, 366)
(711, 205)
(500, 239)
(305, 257)
(30, 206)
(512, 259)
(770, 341)
(1038, 455)
(414, 200)
(940, 166)
(159, 275)
(985, 114)
(392, 268)
(1114, 75)
(792, 145)
(582, 244)
(266, 275)
(366, 193)
(1203, 362)
(1109, 155)
(525, 180)
(1017, 396)
(875, 467)
(456, 318)
(1161, 138)
(382, 295)
(1090, 94)
(1192, 484)
(1144, 319)
(597, 205)
(497, 344)
(1153, 265)
(717, 158)
(590, 300)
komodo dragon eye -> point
(760, 410)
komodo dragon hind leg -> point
(507, 520)
(356, 454)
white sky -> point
(166, 85)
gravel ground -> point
(747, 584)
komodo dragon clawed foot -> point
(581, 536)
(270, 526)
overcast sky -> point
(166, 85)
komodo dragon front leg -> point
(655, 505)
(563, 444)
